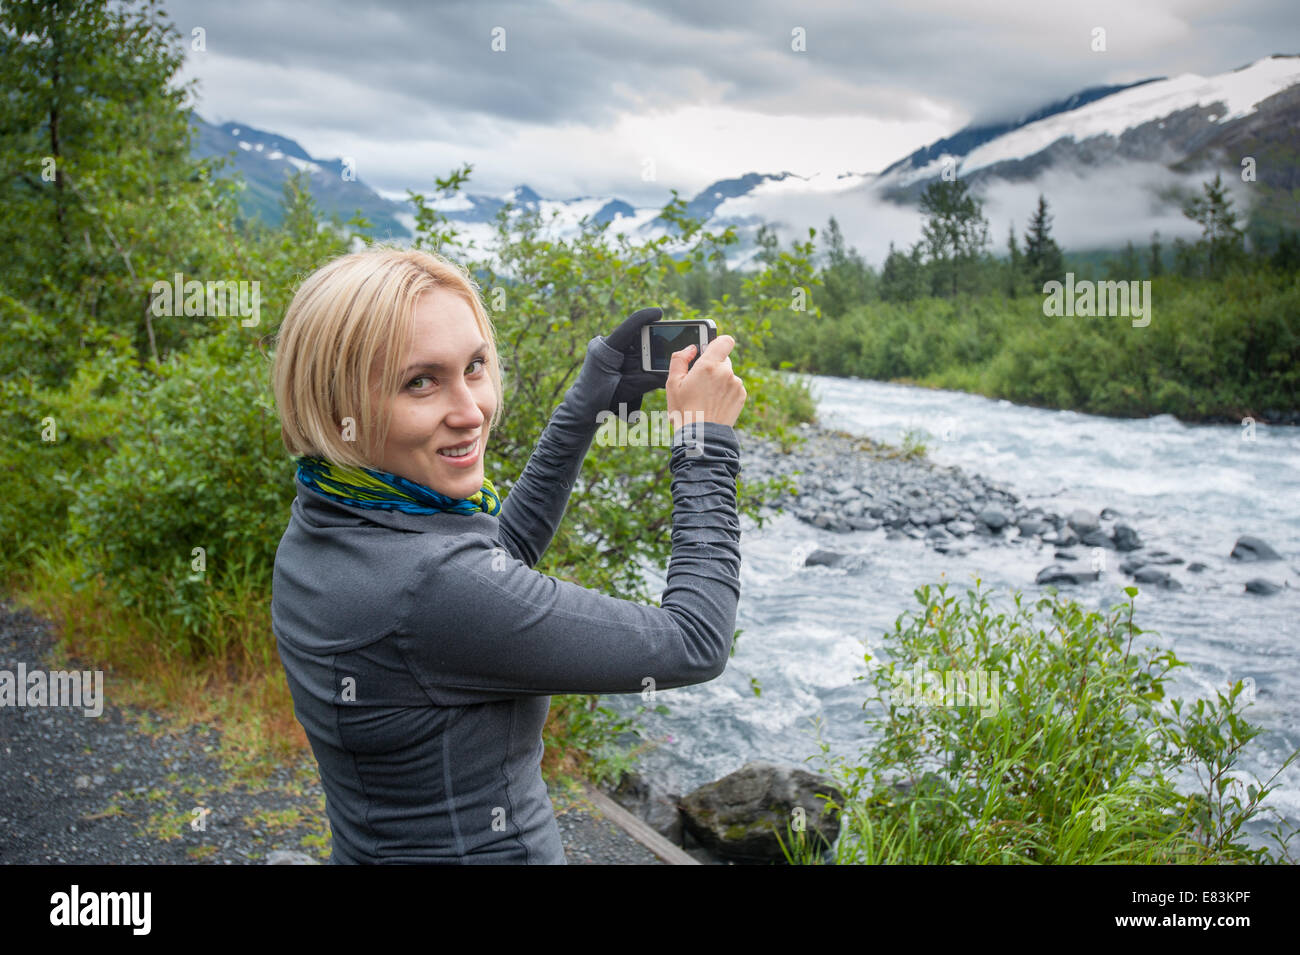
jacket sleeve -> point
(531, 512)
(478, 624)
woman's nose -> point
(464, 405)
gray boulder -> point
(824, 558)
(994, 518)
(638, 795)
(1252, 548)
(1126, 538)
(1056, 574)
(831, 522)
(1261, 586)
(739, 816)
(1096, 538)
(1083, 521)
(1157, 577)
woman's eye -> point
(415, 382)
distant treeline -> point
(1221, 339)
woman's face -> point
(445, 400)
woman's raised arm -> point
(476, 623)
(531, 512)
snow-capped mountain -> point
(1111, 159)
(1156, 120)
(264, 159)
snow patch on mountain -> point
(1240, 91)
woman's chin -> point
(460, 485)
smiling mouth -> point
(460, 450)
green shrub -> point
(1069, 754)
(196, 494)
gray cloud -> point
(376, 78)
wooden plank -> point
(638, 830)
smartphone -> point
(660, 339)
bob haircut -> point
(342, 343)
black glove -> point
(635, 381)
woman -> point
(420, 646)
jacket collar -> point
(318, 509)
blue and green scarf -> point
(380, 490)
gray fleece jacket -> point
(421, 650)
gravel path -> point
(117, 789)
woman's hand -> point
(635, 382)
(709, 391)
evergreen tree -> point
(1222, 241)
(955, 236)
(1286, 254)
(1127, 266)
(1156, 265)
(847, 279)
(1015, 265)
(1187, 260)
(102, 197)
(1044, 261)
(903, 277)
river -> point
(1190, 489)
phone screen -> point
(666, 339)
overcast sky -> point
(633, 98)
(584, 93)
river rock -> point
(1252, 548)
(824, 558)
(1056, 574)
(994, 518)
(1126, 538)
(1149, 559)
(863, 523)
(1261, 586)
(1083, 521)
(643, 799)
(1064, 537)
(831, 522)
(739, 816)
(1096, 538)
(1030, 526)
(961, 528)
(1162, 557)
(1156, 576)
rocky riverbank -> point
(851, 484)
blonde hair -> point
(356, 310)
